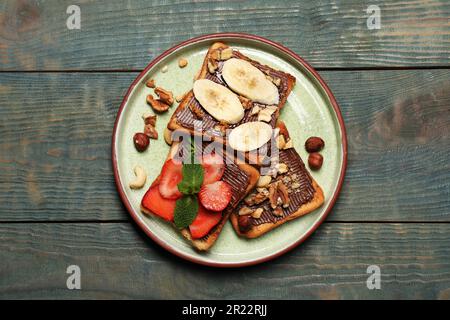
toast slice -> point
(290, 195)
(189, 110)
(241, 177)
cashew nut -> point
(141, 177)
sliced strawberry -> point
(154, 202)
(171, 175)
(213, 168)
(215, 196)
(204, 222)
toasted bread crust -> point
(259, 230)
(207, 242)
(173, 123)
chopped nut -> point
(164, 95)
(157, 105)
(284, 194)
(149, 118)
(295, 185)
(276, 81)
(266, 113)
(282, 168)
(246, 103)
(264, 181)
(257, 213)
(164, 69)
(263, 190)
(286, 179)
(150, 83)
(215, 55)
(255, 198)
(226, 54)
(168, 136)
(255, 110)
(278, 212)
(150, 131)
(180, 97)
(212, 66)
(281, 143)
(182, 63)
(288, 145)
(245, 211)
(273, 195)
(263, 116)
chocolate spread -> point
(298, 197)
(194, 111)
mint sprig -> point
(192, 178)
(186, 208)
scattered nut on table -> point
(140, 179)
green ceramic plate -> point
(311, 110)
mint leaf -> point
(186, 209)
(192, 178)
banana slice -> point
(250, 136)
(218, 101)
(242, 77)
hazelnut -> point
(182, 63)
(315, 161)
(244, 223)
(141, 141)
(314, 144)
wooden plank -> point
(127, 35)
(116, 261)
(55, 133)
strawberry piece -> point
(154, 202)
(215, 196)
(171, 175)
(213, 168)
(204, 222)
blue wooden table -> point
(60, 89)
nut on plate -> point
(141, 141)
(157, 105)
(314, 144)
(141, 177)
(150, 83)
(315, 161)
(182, 62)
(168, 136)
(263, 181)
(244, 223)
(164, 95)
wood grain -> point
(55, 133)
(116, 261)
(118, 35)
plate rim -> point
(217, 36)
